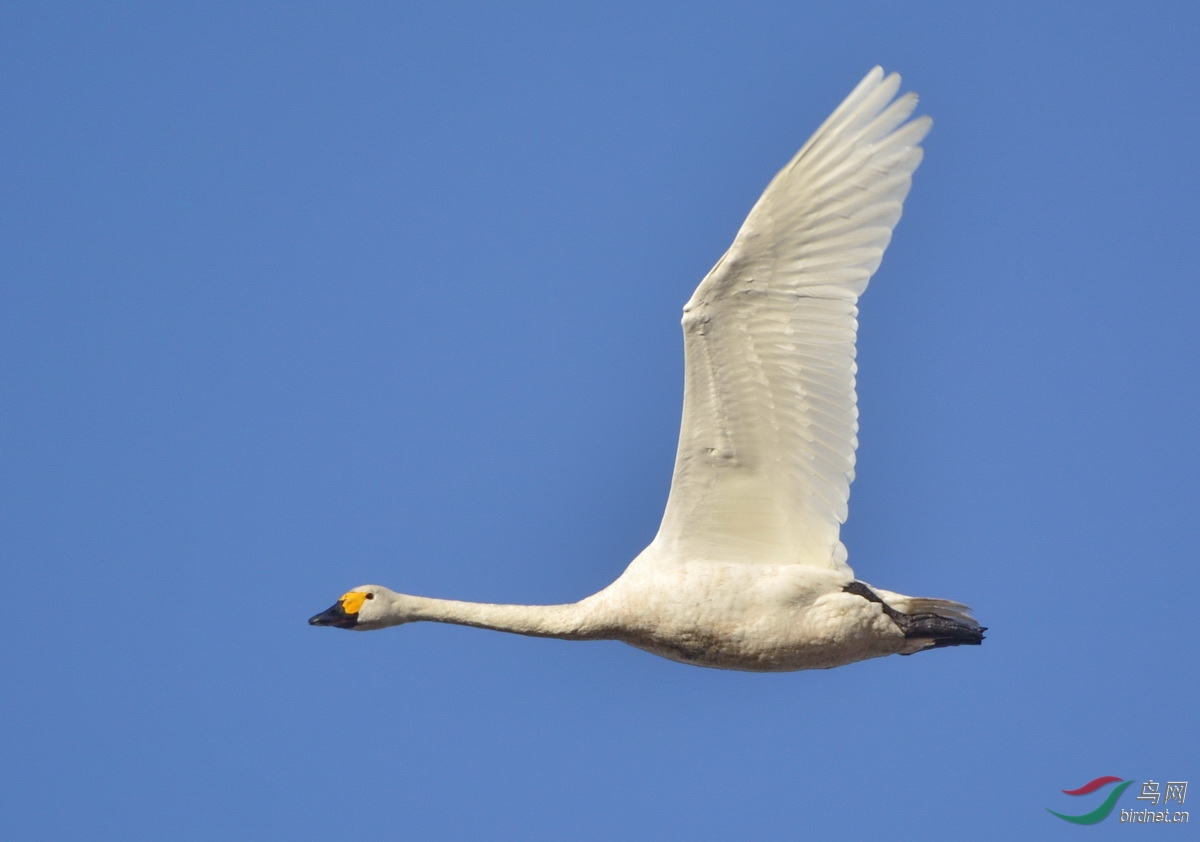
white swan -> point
(747, 571)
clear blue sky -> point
(296, 297)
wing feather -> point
(770, 423)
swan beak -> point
(336, 617)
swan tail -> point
(928, 623)
(927, 605)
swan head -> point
(362, 609)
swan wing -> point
(766, 446)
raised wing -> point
(766, 449)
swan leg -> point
(938, 630)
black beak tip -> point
(335, 617)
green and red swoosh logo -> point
(1104, 809)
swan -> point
(747, 571)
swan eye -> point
(370, 596)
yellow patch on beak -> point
(352, 602)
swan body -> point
(747, 570)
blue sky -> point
(298, 296)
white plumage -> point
(747, 570)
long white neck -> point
(575, 621)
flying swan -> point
(747, 571)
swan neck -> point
(574, 621)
